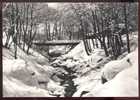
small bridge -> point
(57, 42)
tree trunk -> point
(104, 46)
(126, 27)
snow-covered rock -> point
(55, 53)
(55, 89)
(112, 68)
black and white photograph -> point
(70, 49)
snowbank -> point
(8, 65)
(29, 75)
(78, 52)
(124, 84)
(112, 68)
(14, 88)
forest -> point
(65, 34)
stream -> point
(67, 79)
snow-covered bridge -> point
(57, 42)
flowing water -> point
(67, 80)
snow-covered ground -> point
(32, 75)
(29, 75)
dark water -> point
(70, 87)
(67, 81)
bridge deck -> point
(58, 42)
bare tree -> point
(126, 28)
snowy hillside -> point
(21, 77)
(120, 84)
